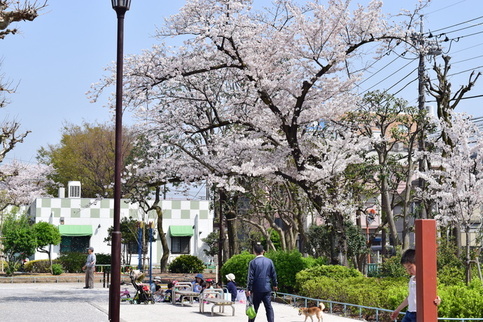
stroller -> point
(143, 292)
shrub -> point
(11, 267)
(57, 269)
(391, 267)
(186, 264)
(312, 261)
(287, 265)
(104, 259)
(238, 265)
(334, 272)
(385, 293)
(460, 301)
(37, 266)
(451, 275)
(72, 262)
(447, 255)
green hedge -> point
(186, 264)
(335, 272)
(72, 262)
(237, 265)
(39, 266)
(57, 269)
(287, 265)
(341, 284)
(461, 301)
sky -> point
(53, 60)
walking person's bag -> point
(250, 310)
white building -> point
(84, 222)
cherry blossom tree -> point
(21, 183)
(243, 93)
(455, 181)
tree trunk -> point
(302, 236)
(407, 199)
(231, 229)
(41, 250)
(457, 235)
(468, 259)
(164, 241)
(387, 212)
(339, 251)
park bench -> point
(216, 298)
(183, 290)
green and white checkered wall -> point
(99, 214)
(104, 208)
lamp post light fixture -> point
(120, 6)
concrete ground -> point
(60, 302)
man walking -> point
(261, 278)
(90, 267)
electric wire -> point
(407, 75)
(385, 78)
(377, 72)
(467, 48)
(444, 8)
(443, 34)
(464, 28)
(415, 79)
(458, 24)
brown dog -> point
(311, 311)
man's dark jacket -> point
(261, 275)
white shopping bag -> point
(241, 297)
(227, 296)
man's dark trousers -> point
(266, 298)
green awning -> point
(75, 230)
(181, 231)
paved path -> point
(52, 302)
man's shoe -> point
(85, 287)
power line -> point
(458, 24)
(407, 75)
(464, 28)
(463, 98)
(468, 59)
(374, 74)
(385, 78)
(451, 5)
(467, 48)
(406, 86)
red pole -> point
(426, 284)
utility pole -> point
(421, 106)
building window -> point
(180, 245)
(70, 244)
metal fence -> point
(351, 310)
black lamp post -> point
(120, 6)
